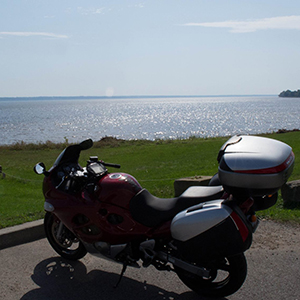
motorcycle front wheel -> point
(62, 240)
(227, 276)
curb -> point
(20, 234)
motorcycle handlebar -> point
(111, 165)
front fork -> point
(59, 230)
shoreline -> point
(113, 141)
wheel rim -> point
(226, 277)
(66, 241)
(219, 276)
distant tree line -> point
(289, 93)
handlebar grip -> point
(111, 165)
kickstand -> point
(125, 264)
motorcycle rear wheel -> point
(227, 276)
(67, 245)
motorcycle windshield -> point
(59, 158)
(71, 153)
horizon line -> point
(133, 96)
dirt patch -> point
(274, 235)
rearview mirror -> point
(39, 168)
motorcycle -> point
(201, 235)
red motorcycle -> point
(201, 235)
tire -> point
(227, 276)
(67, 246)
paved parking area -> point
(34, 271)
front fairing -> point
(104, 209)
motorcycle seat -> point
(151, 211)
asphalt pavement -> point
(30, 269)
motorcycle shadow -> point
(64, 280)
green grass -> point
(154, 164)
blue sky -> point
(154, 47)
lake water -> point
(32, 120)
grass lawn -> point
(154, 164)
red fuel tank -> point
(117, 189)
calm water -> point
(34, 120)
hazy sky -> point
(154, 47)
